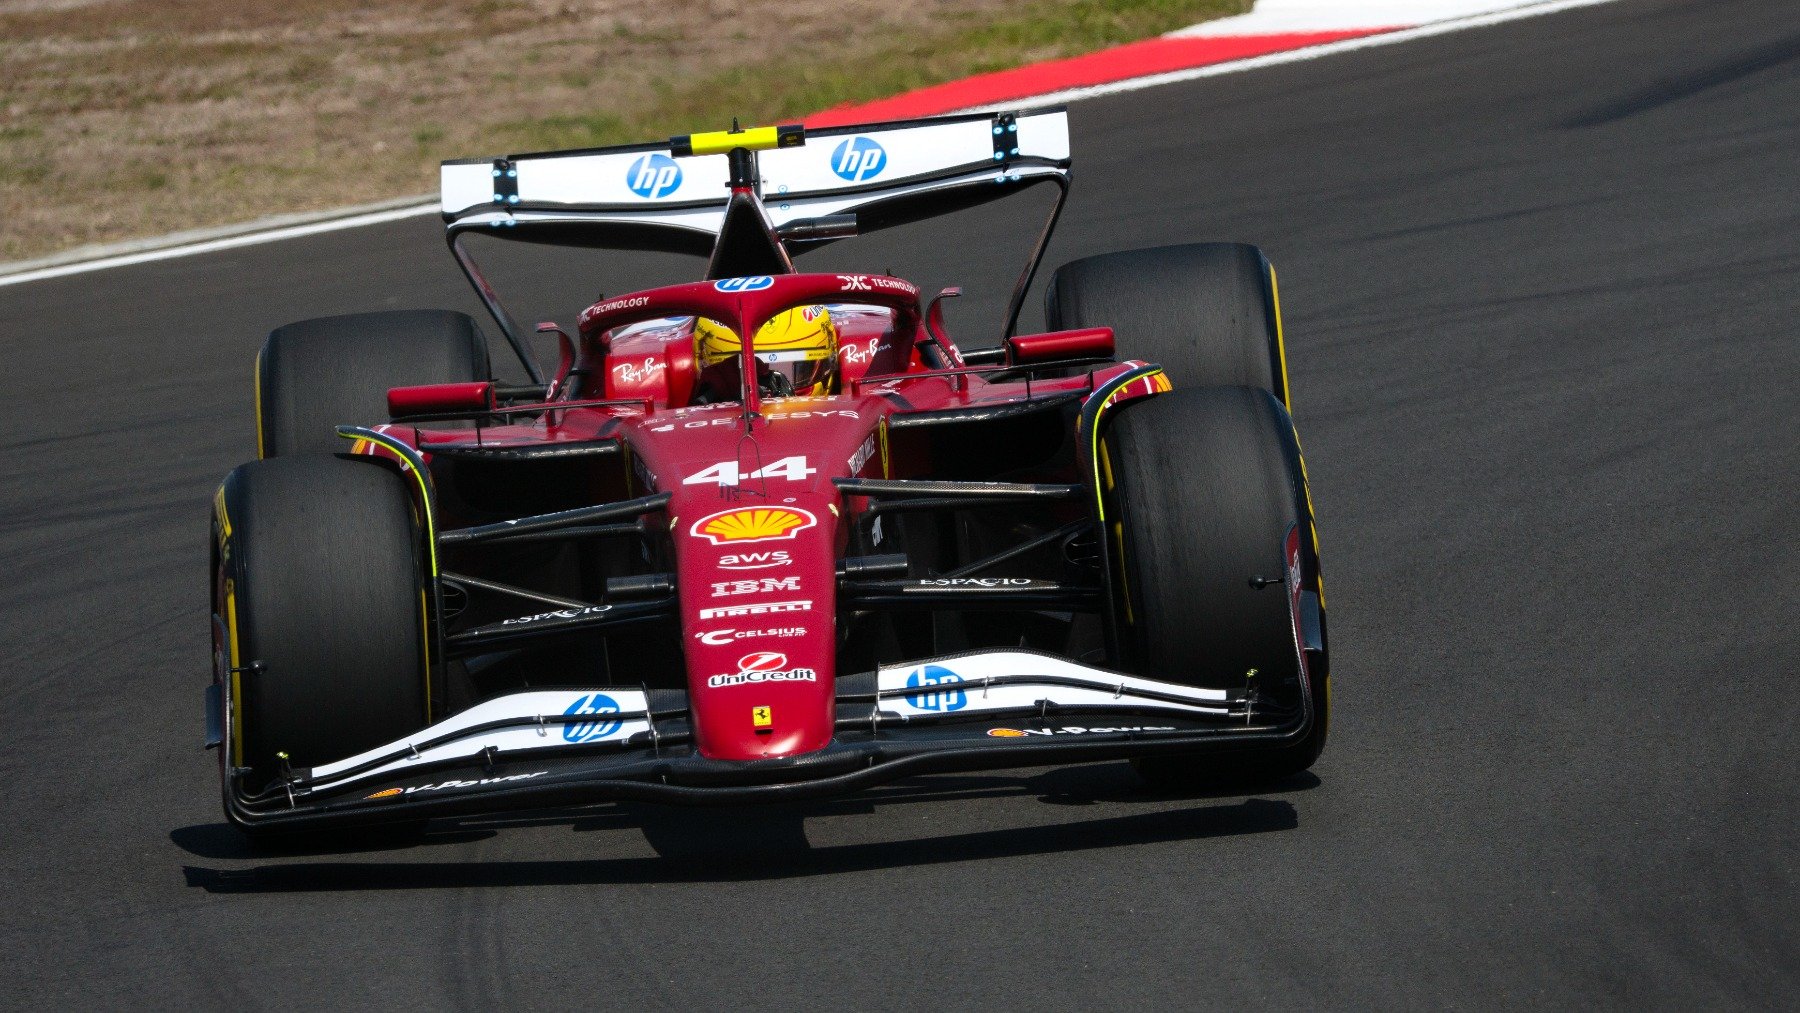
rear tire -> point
(315, 375)
(320, 580)
(1207, 485)
(1206, 312)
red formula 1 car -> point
(768, 535)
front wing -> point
(552, 748)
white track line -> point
(214, 245)
(1275, 17)
(1071, 95)
(1297, 55)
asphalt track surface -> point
(1540, 287)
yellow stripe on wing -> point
(361, 439)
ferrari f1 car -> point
(768, 535)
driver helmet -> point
(796, 350)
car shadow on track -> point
(725, 844)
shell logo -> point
(1005, 733)
(753, 524)
(384, 793)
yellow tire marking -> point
(256, 379)
(1124, 585)
(368, 436)
(231, 632)
(1094, 446)
(1287, 393)
(1311, 517)
(237, 689)
(425, 643)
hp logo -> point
(936, 699)
(754, 283)
(653, 176)
(858, 159)
(587, 731)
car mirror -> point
(440, 399)
(1057, 346)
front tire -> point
(321, 591)
(1207, 486)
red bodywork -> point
(756, 524)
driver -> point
(796, 354)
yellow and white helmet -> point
(796, 350)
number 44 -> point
(794, 469)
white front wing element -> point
(991, 681)
(1014, 680)
(609, 716)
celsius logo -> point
(858, 159)
(596, 704)
(719, 638)
(754, 283)
(653, 176)
(936, 699)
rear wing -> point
(625, 193)
(842, 181)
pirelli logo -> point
(758, 609)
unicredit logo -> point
(763, 666)
(777, 675)
(762, 661)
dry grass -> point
(128, 118)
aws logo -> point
(754, 560)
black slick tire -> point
(320, 583)
(1207, 483)
(315, 375)
(1208, 313)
